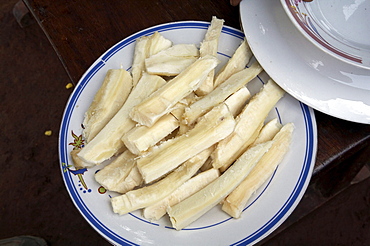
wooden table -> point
(81, 30)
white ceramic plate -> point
(304, 71)
(267, 209)
(339, 27)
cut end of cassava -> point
(141, 138)
(77, 161)
(113, 175)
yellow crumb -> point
(48, 133)
(69, 85)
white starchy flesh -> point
(108, 141)
(234, 102)
(211, 128)
(77, 162)
(162, 101)
(178, 112)
(132, 181)
(114, 174)
(237, 200)
(238, 100)
(165, 150)
(158, 43)
(241, 145)
(168, 66)
(209, 46)
(236, 63)
(172, 61)
(193, 207)
(268, 131)
(158, 210)
(184, 127)
(221, 92)
(151, 194)
(120, 150)
(145, 47)
(179, 109)
(247, 122)
(141, 52)
(141, 138)
(108, 100)
(207, 85)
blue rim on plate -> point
(104, 230)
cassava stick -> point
(220, 93)
(193, 207)
(108, 100)
(248, 121)
(153, 193)
(236, 201)
(212, 127)
(108, 141)
(162, 101)
(209, 46)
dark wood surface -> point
(80, 31)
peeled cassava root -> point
(183, 137)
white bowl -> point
(341, 28)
